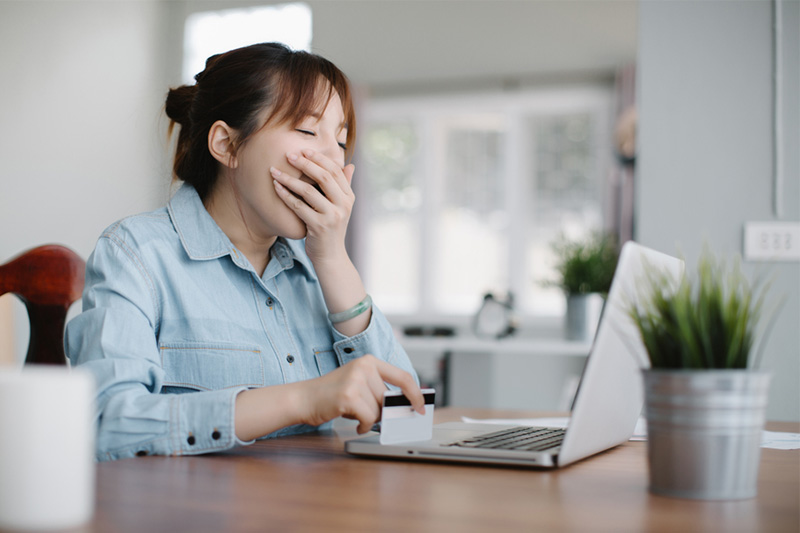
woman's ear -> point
(220, 144)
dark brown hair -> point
(236, 87)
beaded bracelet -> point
(353, 312)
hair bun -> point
(179, 103)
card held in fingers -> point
(400, 423)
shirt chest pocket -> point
(208, 366)
(326, 360)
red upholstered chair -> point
(48, 279)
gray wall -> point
(705, 147)
(81, 141)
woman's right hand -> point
(355, 391)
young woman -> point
(239, 291)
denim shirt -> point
(171, 307)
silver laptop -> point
(606, 407)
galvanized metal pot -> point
(704, 432)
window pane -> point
(564, 191)
(393, 202)
(212, 32)
(467, 196)
(471, 240)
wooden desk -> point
(308, 483)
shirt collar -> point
(203, 239)
(288, 251)
(200, 235)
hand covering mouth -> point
(313, 183)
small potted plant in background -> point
(705, 402)
(586, 268)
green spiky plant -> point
(707, 322)
(586, 266)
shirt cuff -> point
(204, 422)
(377, 339)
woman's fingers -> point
(400, 378)
(323, 187)
(365, 410)
(356, 389)
(300, 196)
(348, 173)
(332, 179)
(380, 372)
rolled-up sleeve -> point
(378, 340)
(115, 337)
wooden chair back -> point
(48, 279)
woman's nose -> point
(333, 151)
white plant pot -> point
(704, 432)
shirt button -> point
(290, 359)
(190, 440)
(348, 350)
(216, 435)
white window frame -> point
(516, 108)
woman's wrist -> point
(336, 259)
(261, 411)
(343, 291)
(348, 314)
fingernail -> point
(292, 157)
(275, 171)
(277, 185)
(308, 153)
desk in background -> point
(540, 373)
(308, 483)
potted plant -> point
(586, 268)
(704, 400)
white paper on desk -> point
(769, 439)
(780, 441)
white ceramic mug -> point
(47, 432)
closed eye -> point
(343, 146)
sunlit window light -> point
(212, 32)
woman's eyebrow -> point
(318, 116)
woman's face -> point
(265, 214)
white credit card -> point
(400, 423)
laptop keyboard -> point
(526, 439)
